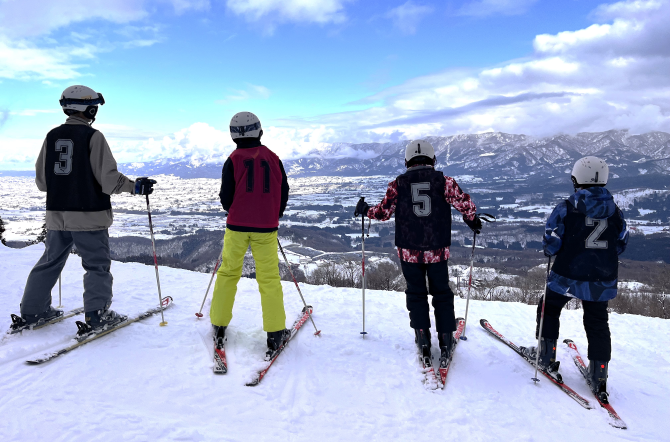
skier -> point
(78, 172)
(421, 199)
(586, 233)
(254, 192)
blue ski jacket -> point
(586, 233)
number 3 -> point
(64, 164)
(592, 240)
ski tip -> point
(460, 319)
(567, 341)
(252, 383)
(483, 322)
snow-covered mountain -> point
(488, 156)
(146, 382)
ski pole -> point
(317, 331)
(216, 267)
(363, 265)
(60, 297)
(158, 281)
(539, 335)
(467, 302)
(489, 219)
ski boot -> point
(422, 340)
(97, 321)
(27, 321)
(597, 378)
(276, 340)
(446, 347)
(547, 355)
(219, 335)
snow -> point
(146, 382)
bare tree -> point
(385, 276)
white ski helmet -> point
(81, 99)
(245, 125)
(419, 148)
(590, 170)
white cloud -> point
(23, 60)
(251, 92)
(273, 11)
(31, 18)
(483, 8)
(407, 16)
(32, 112)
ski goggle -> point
(244, 129)
(84, 102)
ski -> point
(167, 302)
(220, 362)
(39, 325)
(615, 420)
(304, 316)
(556, 380)
(431, 381)
(444, 364)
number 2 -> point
(592, 241)
(421, 203)
(249, 165)
(64, 164)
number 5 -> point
(421, 203)
(64, 164)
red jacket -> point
(254, 189)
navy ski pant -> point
(93, 246)
(595, 324)
(417, 295)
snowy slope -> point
(148, 383)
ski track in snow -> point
(146, 383)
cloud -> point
(32, 112)
(276, 11)
(407, 16)
(252, 92)
(484, 8)
(31, 18)
(23, 60)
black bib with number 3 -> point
(71, 185)
(422, 216)
(589, 248)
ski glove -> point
(144, 186)
(361, 208)
(475, 224)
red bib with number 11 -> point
(258, 181)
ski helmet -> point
(245, 125)
(419, 148)
(81, 99)
(590, 170)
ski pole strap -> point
(487, 217)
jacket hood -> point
(594, 202)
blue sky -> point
(173, 72)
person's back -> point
(254, 192)
(257, 200)
(586, 232)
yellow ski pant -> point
(264, 251)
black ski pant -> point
(417, 295)
(93, 246)
(595, 324)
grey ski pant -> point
(93, 246)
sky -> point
(174, 72)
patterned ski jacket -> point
(452, 195)
(586, 233)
